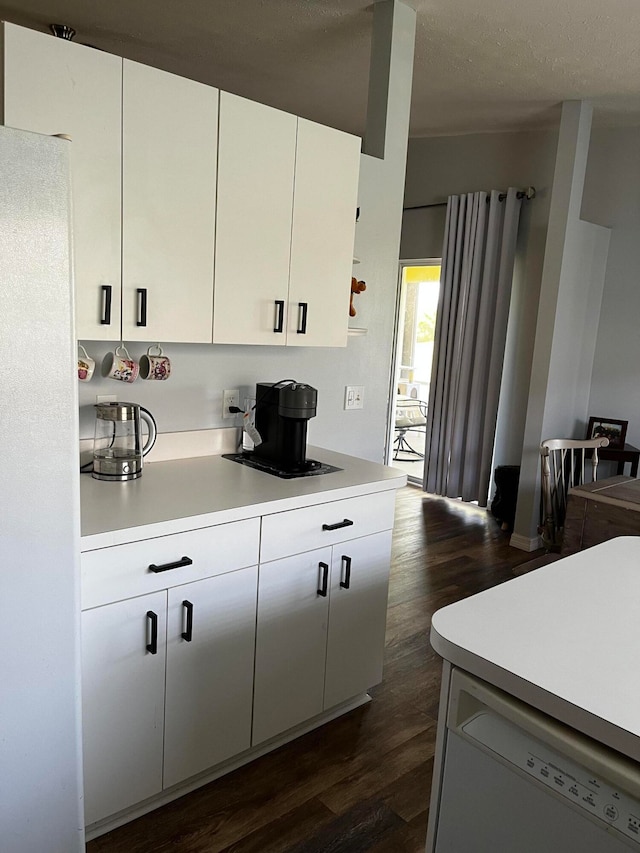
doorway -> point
(415, 329)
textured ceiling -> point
(480, 66)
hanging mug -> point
(155, 365)
(119, 365)
(86, 365)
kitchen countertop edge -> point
(175, 496)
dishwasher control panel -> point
(555, 771)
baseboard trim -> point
(114, 821)
(524, 543)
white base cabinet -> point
(200, 646)
(122, 704)
(167, 688)
(209, 689)
(291, 642)
(320, 631)
(167, 671)
(357, 617)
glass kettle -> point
(118, 449)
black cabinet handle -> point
(302, 327)
(346, 523)
(188, 633)
(184, 561)
(325, 579)
(105, 320)
(142, 307)
(279, 326)
(153, 645)
(346, 583)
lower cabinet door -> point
(123, 672)
(210, 656)
(290, 642)
(357, 616)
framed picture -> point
(614, 430)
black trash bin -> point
(503, 505)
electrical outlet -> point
(106, 398)
(229, 398)
(354, 397)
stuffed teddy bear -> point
(356, 287)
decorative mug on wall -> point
(86, 365)
(155, 365)
(119, 365)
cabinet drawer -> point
(301, 530)
(113, 574)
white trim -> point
(524, 543)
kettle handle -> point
(146, 416)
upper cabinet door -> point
(324, 219)
(168, 206)
(255, 195)
(53, 86)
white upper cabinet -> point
(287, 197)
(53, 86)
(257, 149)
(324, 221)
(174, 182)
(170, 128)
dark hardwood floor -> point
(362, 782)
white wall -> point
(612, 198)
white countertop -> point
(182, 494)
(565, 638)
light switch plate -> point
(354, 397)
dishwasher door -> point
(516, 781)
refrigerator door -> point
(40, 760)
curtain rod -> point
(527, 194)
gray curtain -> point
(471, 327)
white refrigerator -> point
(40, 739)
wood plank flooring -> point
(362, 782)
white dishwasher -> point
(516, 781)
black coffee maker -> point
(282, 412)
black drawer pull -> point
(302, 327)
(279, 326)
(188, 633)
(105, 320)
(346, 523)
(142, 307)
(325, 579)
(346, 583)
(152, 646)
(183, 561)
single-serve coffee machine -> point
(282, 412)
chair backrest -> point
(563, 466)
(410, 413)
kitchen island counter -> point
(564, 638)
(183, 494)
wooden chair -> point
(563, 466)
